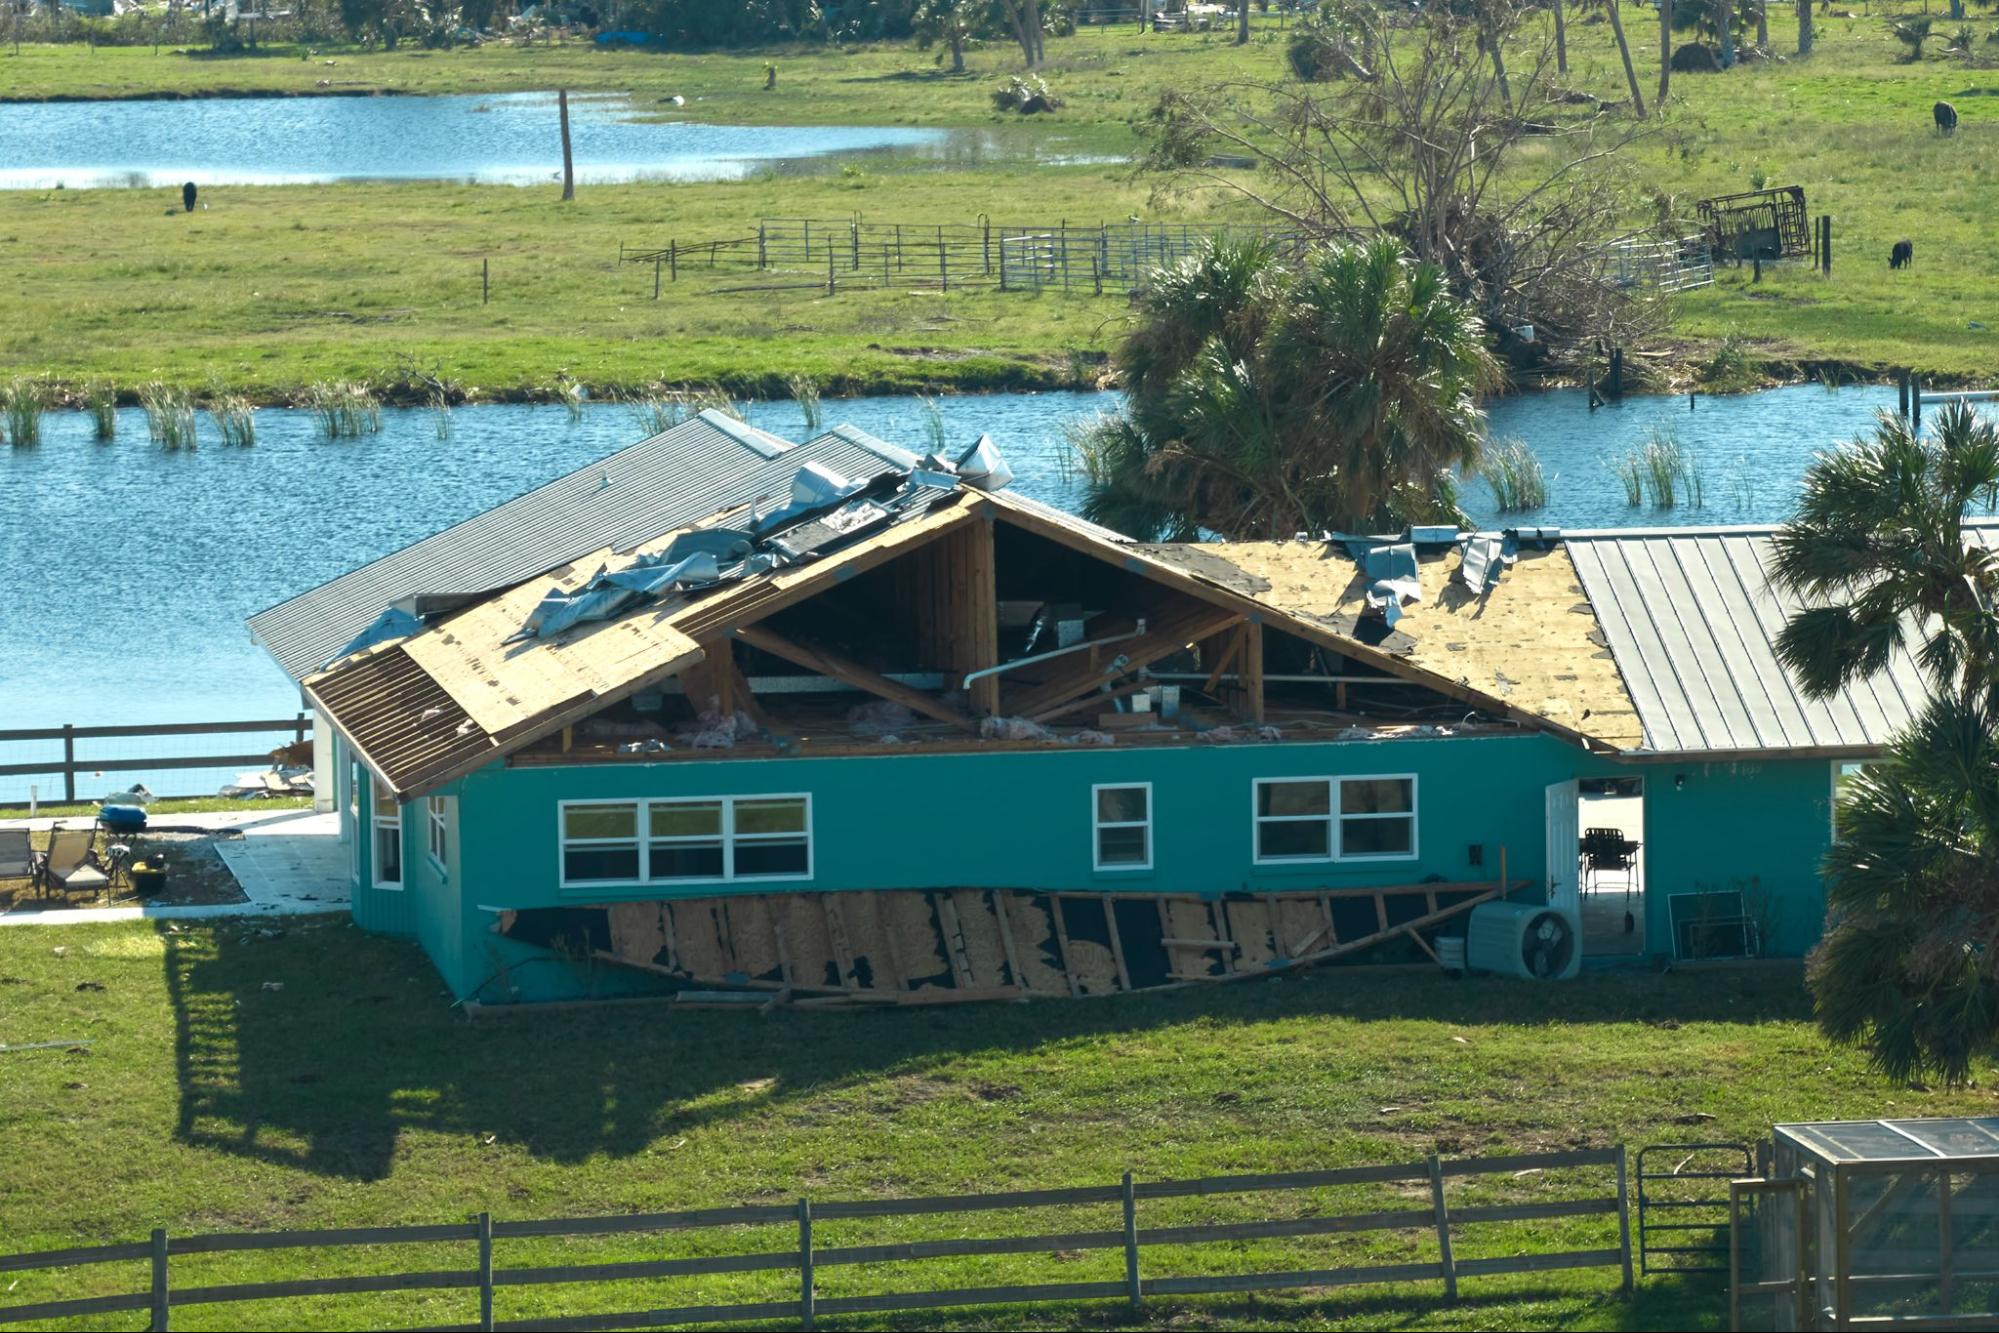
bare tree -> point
(1561, 40)
(1805, 27)
(1024, 17)
(1666, 50)
(1414, 137)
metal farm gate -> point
(1683, 1208)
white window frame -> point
(437, 832)
(1832, 807)
(1098, 825)
(377, 825)
(1257, 819)
(354, 827)
(642, 815)
(1336, 853)
(1340, 852)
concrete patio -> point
(288, 863)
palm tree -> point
(1908, 964)
(1267, 398)
(1878, 553)
(1877, 546)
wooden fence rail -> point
(70, 763)
(805, 1258)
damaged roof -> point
(1529, 640)
(677, 477)
(482, 682)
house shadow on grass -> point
(317, 1046)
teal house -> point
(728, 717)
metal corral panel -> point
(1692, 619)
(702, 466)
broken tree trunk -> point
(1666, 51)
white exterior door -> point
(1564, 844)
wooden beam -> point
(1252, 669)
(1062, 943)
(1231, 649)
(828, 663)
(976, 609)
(1140, 652)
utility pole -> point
(568, 162)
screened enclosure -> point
(1869, 1224)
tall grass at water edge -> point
(805, 392)
(345, 410)
(1514, 474)
(1662, 471)
(22, 403)
(100, 402)
(170, 420)
(235, 419)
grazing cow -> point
(1903, 255)
(1946, 115)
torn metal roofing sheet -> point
(1693, 621)
(704, 465)
(480, 689)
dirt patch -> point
(196, 873)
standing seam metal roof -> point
(1692, 620)
(706, 464)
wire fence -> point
(832, 254)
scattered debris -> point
(63, 1044)
(1013, 729)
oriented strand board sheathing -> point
(752, 923)
(1531, 639)
(1249, 925)
(984, 951)
(1034, 935)
(508, 685)
(912, 922)
(1089, 949)
(808, 942)
(1187, 919)
(1298, 919)
(867, 939)
(638, 932)
(698, 938)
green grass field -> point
(271, 288)
(353, 1095)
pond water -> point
(509, 138)
(131, 569)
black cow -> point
(187, 197)
(1946, 115)
(1903, 255)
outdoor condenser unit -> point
(1523, 940)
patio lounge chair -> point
(17, 855)
(71, 862)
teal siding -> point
(1022, 819)
(1761, 827)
